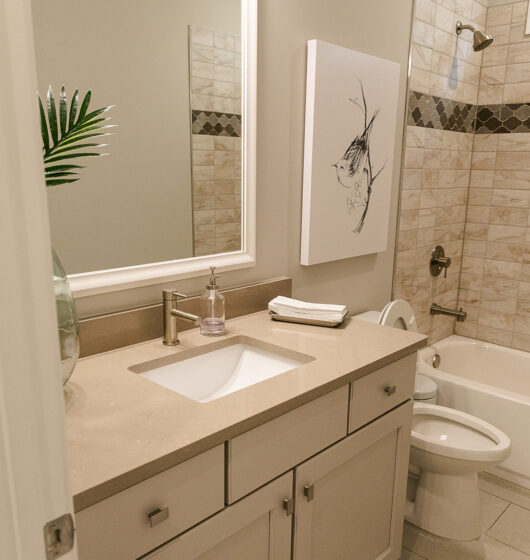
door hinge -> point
(59, 536)
(288, 506)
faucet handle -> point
(172, 295)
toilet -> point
(448, 449)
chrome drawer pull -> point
(390, 389)
(309, 492)
(288, 506)
(158, 516)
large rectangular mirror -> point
(176, 190)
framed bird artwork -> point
(350, 133)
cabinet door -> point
(257, 527)
(350, 498)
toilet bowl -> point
(448, 449)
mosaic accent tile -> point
(430, 111)
(502, 119)
(215, 124)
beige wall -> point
(379, 28)
(134, 206)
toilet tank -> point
(425, 389)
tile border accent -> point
(214, 123)
(430, 111)
(502, 119)
(116, 330)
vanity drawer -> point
(265, 452)
(381, 390)
(126, 525)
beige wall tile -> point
(415, 137)
(423, 33)
(513, 161)
(494, 335)
(514, 142)
(517, 33)
(511, 179)
(516, 53)
(499, 285)
(501, 33)
(483, 160)
(490, 95)
(481, 179)
(486, 142)
(492, 76)
(434, 138)
(505, 234)
(511, 198)
(519, 11)
(502, 269)
(497, 56)
(504, 251)
(509, 216)
(499, 15)
(517, 73)
(425, 11)
(412, 178)
(516, 93)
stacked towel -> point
(288, 307)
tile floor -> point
(505, 529)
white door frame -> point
(34, 476)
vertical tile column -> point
(215, 82)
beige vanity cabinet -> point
(257, 527)
(146, 515)
(349, 498)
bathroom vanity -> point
(311, 462)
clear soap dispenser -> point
(212, 308)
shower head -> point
(480, 39)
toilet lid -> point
(399, 314)
(424, 388)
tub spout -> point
(459, 314)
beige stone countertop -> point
(123, 428)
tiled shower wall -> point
(444, 82)
(215, 82)
(479, 105)
(495, 282)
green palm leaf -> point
(64, 138)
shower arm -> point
(460, 27)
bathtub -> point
(491, 382)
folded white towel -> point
(305, 310)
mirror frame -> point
(104, 281)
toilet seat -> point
(452, 433)
(398, 314)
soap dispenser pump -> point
(212, 308)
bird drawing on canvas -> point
(354, 169)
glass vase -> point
(66, 318)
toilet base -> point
(446, 505)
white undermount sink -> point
(215, 370)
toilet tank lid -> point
(424, 387)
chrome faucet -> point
(171, 313)
(460, 315)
